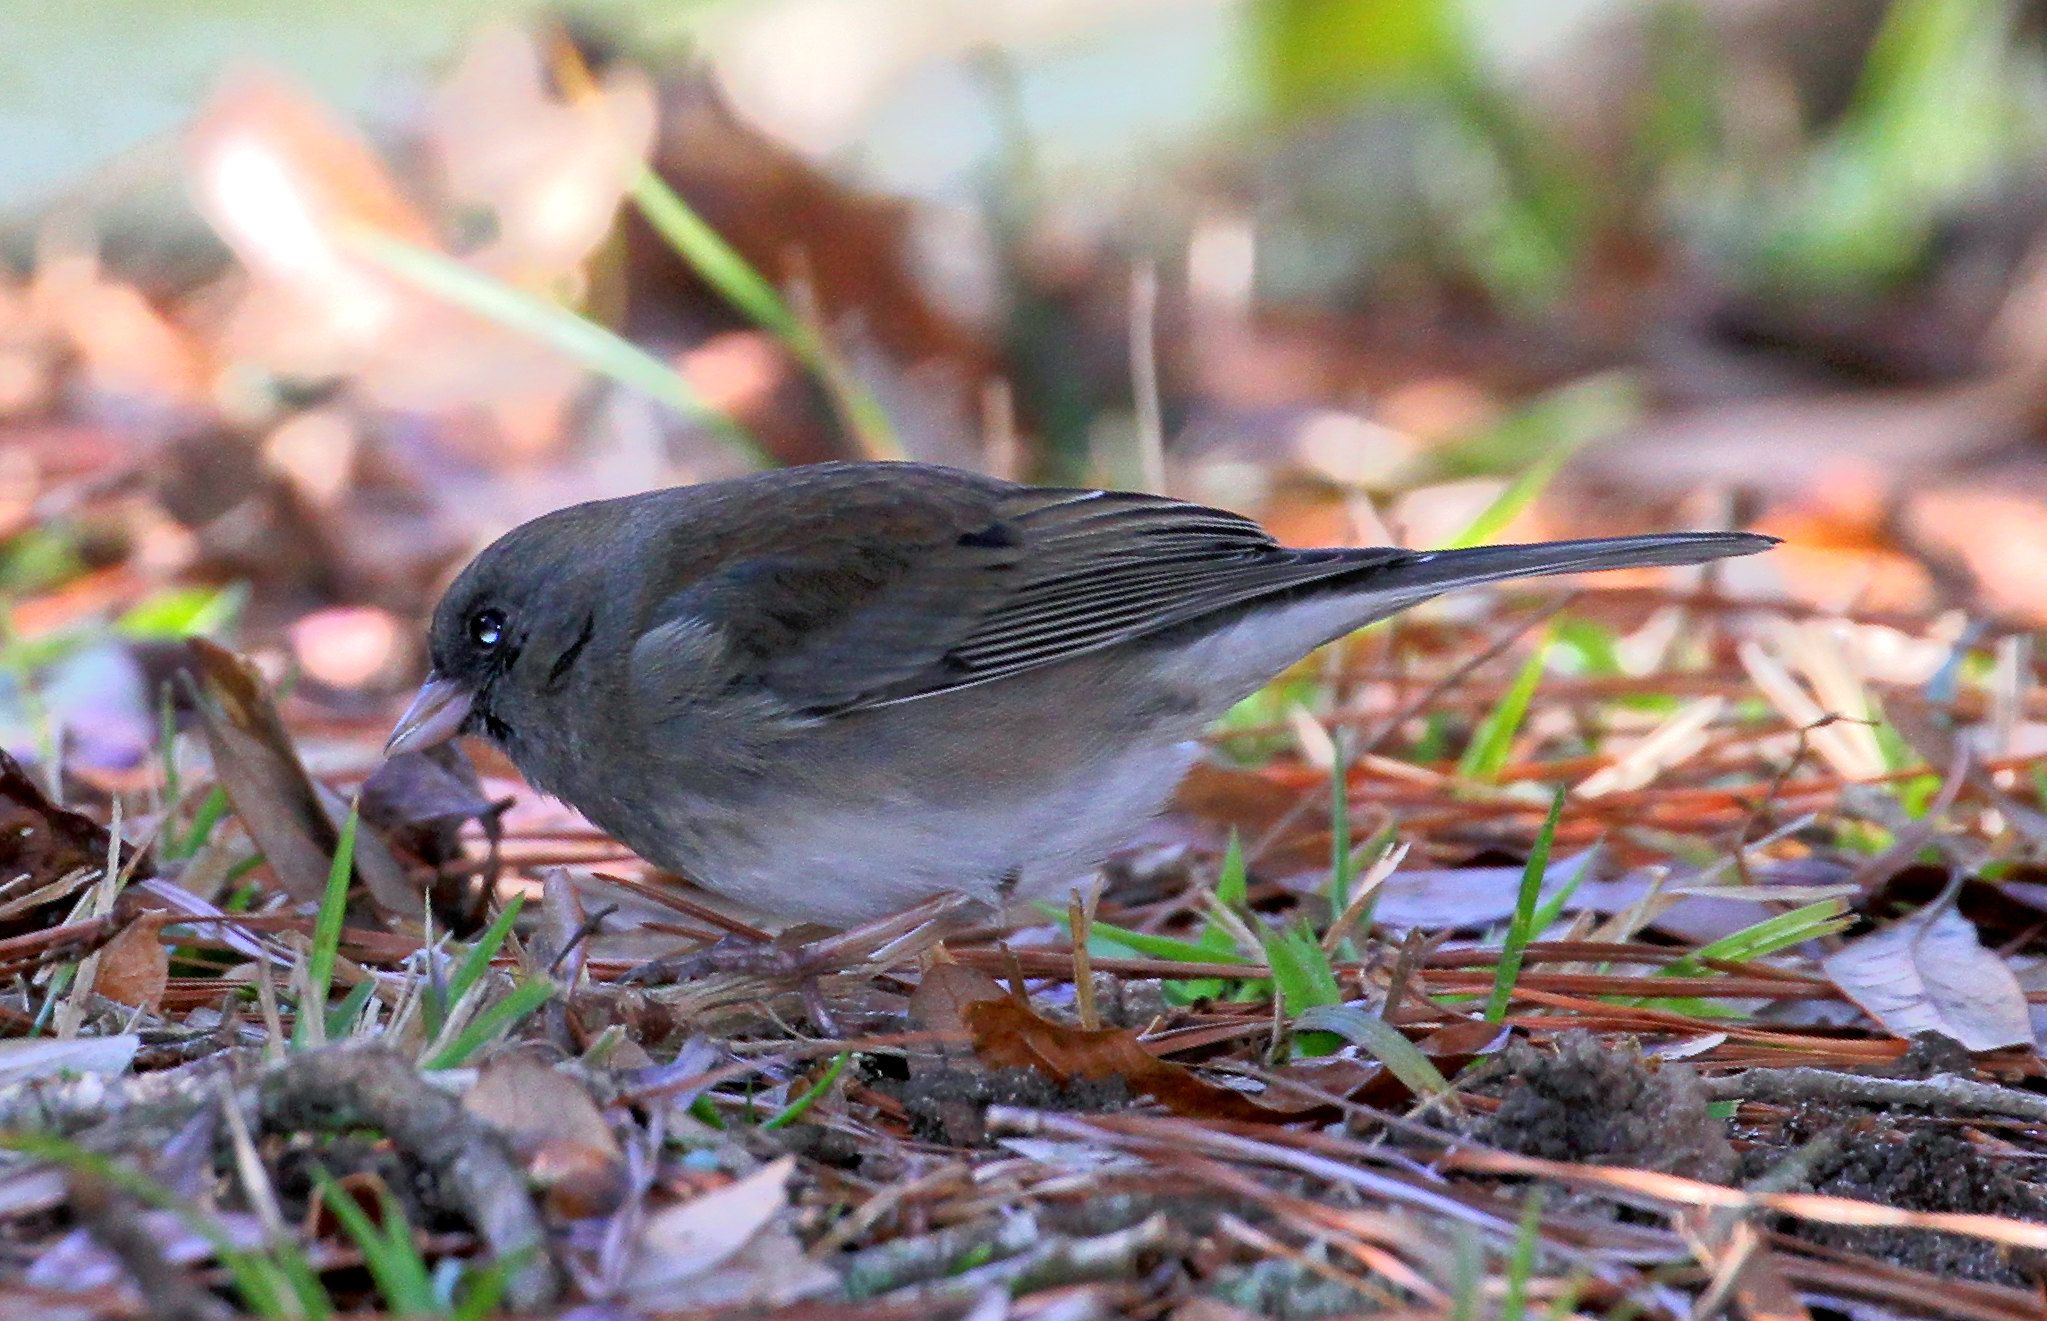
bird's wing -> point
(910, 581)
(978, 592)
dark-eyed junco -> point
(832, 692)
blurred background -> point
(300, 304)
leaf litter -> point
(288, 1030)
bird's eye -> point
(487, 628)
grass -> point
(309, 1027)
(720, 266)
(406, 1282)
(1522, 928)
(438, 998)
(800, 1106)
(1492, 743)
(1379, 1039)
(494, 1021)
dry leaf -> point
(556, 1131)
(1929, 973)
(1009, 1034)
(548, 172)
(274, 798)
(724, 1248)
(134, 968)
(945, 994)
(40, 842)
(291, 190)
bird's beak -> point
(435, 716)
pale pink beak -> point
(435, 716)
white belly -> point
(842, 867)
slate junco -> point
(832, 692)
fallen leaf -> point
(134, 968)
(946, 992)
(292, 191)
(547, 171)
(724, 1248)
(274, 798)
(1930, 973)
(42, 843)
(420, 802)
(556, 1131)
(1009, 1034)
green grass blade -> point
(1553, 907)
(1382, 1041)
(326, 945)
(484, 1288)
(493, 1022)
(1341, 865)
(212, 809)
(342, 1017)
(1302, 974)
(476, 960)
(574, 336)
(725, 270)
(1522, 492)
(797, 1108)
(1522, 929)
(389, 1253)
(1232, 879)
(1521, 1261)
(1492, 744)
(282, 1285)
(1762, 939)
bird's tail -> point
(1426, 573)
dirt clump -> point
(1586, 1102)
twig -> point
(1944, 1092)
(376, 1087)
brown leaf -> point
(724, 1248)
(276, 801)
(556, 1131)
(292, 190)
(419, 802)
(1009, 1034)
(1930, 973)
(532, 1104)
(41, 842)
(134, 968)
(945, 994)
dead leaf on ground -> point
(135, 968)
(556, 1131)
(1009, 1034)
(273, 797)
(1930, 973)
(547, 171)
(46, 851)
(945, 994)
(292, 191)
(725, 1248)
(420, 802)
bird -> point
(833, 692)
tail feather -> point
(1427, 573)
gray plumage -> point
(833, 691)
